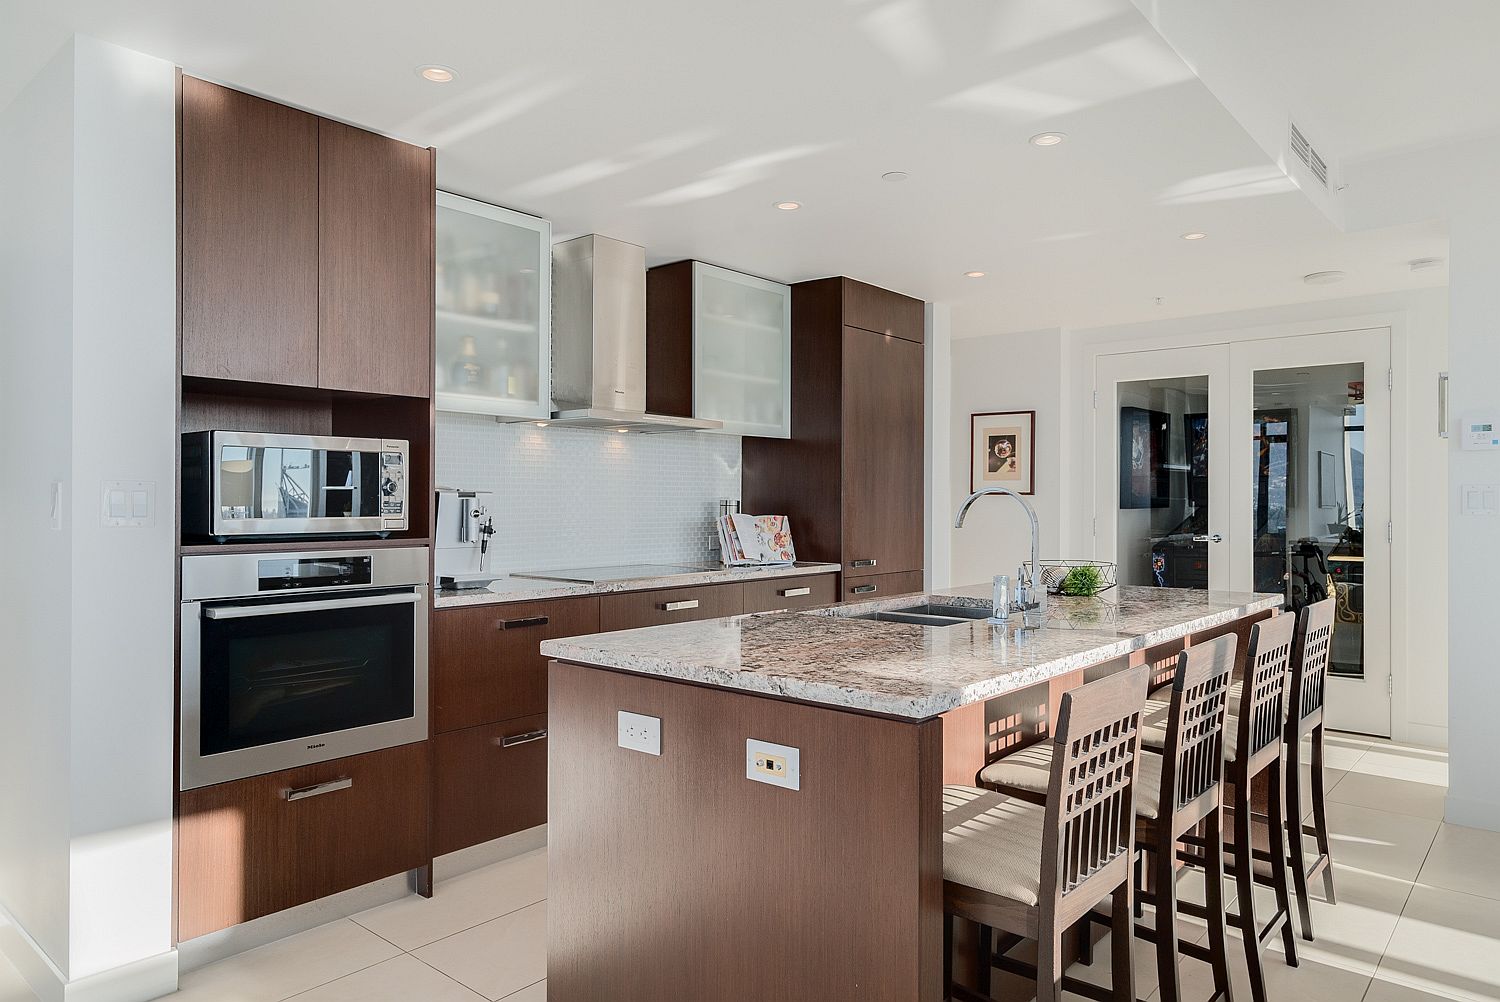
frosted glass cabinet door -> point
(494, 310)
(742, 352)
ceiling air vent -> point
(1303, 150)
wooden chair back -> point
(1089, 833)
(1263, 705)
(1193, 755)
(1311, 648)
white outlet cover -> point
(773, 764)
(638, 732)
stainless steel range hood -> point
(599, 338)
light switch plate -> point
(128, 504)
(639, 732)
(1480, 499)
(773, 764)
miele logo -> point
(320, 744)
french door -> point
(1292, 496)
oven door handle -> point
(323, 605)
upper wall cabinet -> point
(494, 310)
(306, 249)
(249, 218)
(719, 346)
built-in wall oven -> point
(295, 658)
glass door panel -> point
(741, 352)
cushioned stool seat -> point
(1154, 723)
(992, 843)
(1030, 769)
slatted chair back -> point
(1262, 709)
(1312, 648)
(1193, 756)
(1089, 831)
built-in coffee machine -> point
(464, 556)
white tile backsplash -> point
(573, 497)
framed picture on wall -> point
(1144, 478)
(1002, 447)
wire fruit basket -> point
(1055, 572)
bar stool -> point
(1033, 871)
(1180, 791)
(1309, 676)
(1254, 734)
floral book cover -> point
(757, 539)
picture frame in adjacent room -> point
(1002, 449)
(1144, 478)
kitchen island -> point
(675, 876)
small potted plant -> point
(1082, 582)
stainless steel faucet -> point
(1035, 594)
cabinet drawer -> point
(791, 593)
(859, 589)
(255, 846)
(882, 311)
(633, 610)
(485, 664)
(490, 781)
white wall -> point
(1009, 372)
(89, 386)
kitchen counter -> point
(518, 589)
(827, 657)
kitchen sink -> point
(929, 614)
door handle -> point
(864, 589)
(516, 624)
(317, 789)
(1215, 538)
(326, 605)
(794, 592)
(863, 563)
(691, 603)
(510, 741)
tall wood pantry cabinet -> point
(851, 475)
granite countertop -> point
(516, 589)
(825, 656)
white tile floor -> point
(1418, 918)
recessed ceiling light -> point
(894, 175)
(541, 424)
(973, 274)
(1048, 138)
(1426, 263)
(622, 431)
(788, 206)
(1194, 235)
(1325, 277)
(436, 73)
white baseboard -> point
(140, 981)
(216, 946)
(1472, 813)
(1424, 735)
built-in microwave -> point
(238, 484)
(294, 658)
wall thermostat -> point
(1479, 432)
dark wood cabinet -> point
(376, 211)
(306, 249)
(249, 237)
(772, 594)
(862, 589)
(633, 610)
(256, 846)
(852, 475)
(490, 781)
(485, 663)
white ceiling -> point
(678, 124)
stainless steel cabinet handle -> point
(794, 592)
(863, 563)
(864, 589)
(512, 740)
(1442, 405)
(318, 789)
(517, 624)
(277, 608)
(1215, 538)
(691, 603)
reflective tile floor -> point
(1418, 918)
